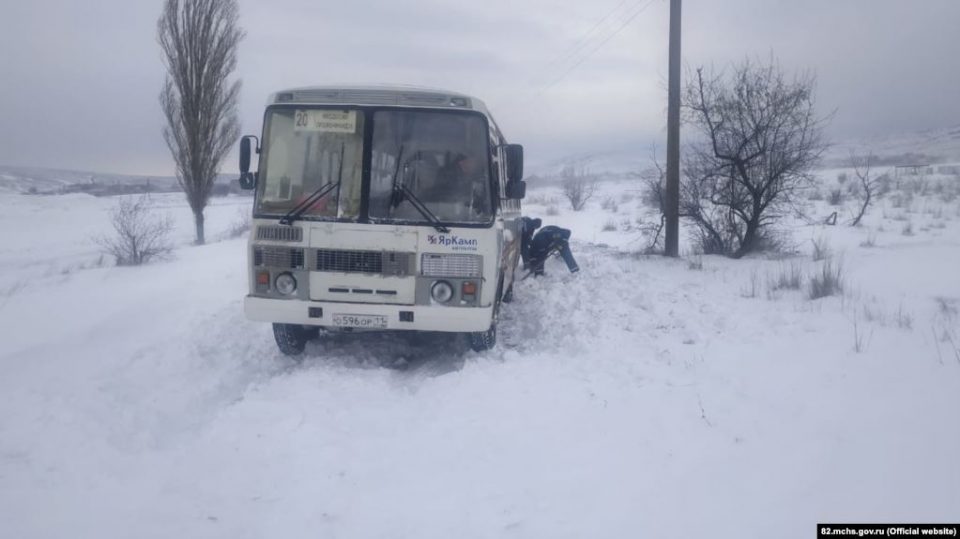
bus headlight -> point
(441, 291)
(285, 284)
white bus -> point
(386, 208)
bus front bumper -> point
(397, 317)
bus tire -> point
(291, 338)
(481, 341)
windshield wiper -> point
(423, 209)
(322, 191)
(400, 190)
(396, 194)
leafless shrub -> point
(836, 197)
(948, 196)
(578, 187)
(651, 232)
(884, 184)
(654, 186)
(609, 226)
(763, 139)
(609, 204)
(553, 211)
(871, 240)
(752, 288)
(903, 318)
(948, 307)
(626, 198)
(695, 263)
(868, 187)
(901, 200)
(871, 314)
(788, 278)
(842, 177)
(954, 342)
(821, 248)
(907, 229)
(919, 185)
(859, 341)
(854, 189)
(534, 199)
(775, 243)
(815, 195)
(138, 234)
(828, 281)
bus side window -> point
(496, 171)
(503, 169)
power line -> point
(586, 37)
(598, 47)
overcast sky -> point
(79, 80)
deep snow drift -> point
(642, 397)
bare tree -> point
(578, 186)
(870, 187)
(654, 195)
(761, 138)
(199, 39)
(139, 236)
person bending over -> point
(535, 249)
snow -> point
(640, 397)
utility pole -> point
(672, 211)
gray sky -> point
(79, 80)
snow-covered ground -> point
(642, 397)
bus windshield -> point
(307, 151)
(438, 159)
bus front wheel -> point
(291, 338)
(484, 340)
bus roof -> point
(403, 96)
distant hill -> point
(33, 180)
(928, 147)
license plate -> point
(360, 321)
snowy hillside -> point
(937, 145)
(932, 146)
(641, 397)
(19, 180)
(43, 180)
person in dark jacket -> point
(535, 249)
(528, 227)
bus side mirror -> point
(514, 154)
(516, 189)
(247, 179)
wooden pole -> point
(672, 210)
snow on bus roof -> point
(396, 95)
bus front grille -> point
(349, 261)
(278, 257)
(386, 263)
(279, 233)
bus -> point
(381, 208)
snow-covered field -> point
(642, 397)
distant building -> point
(912, 170)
